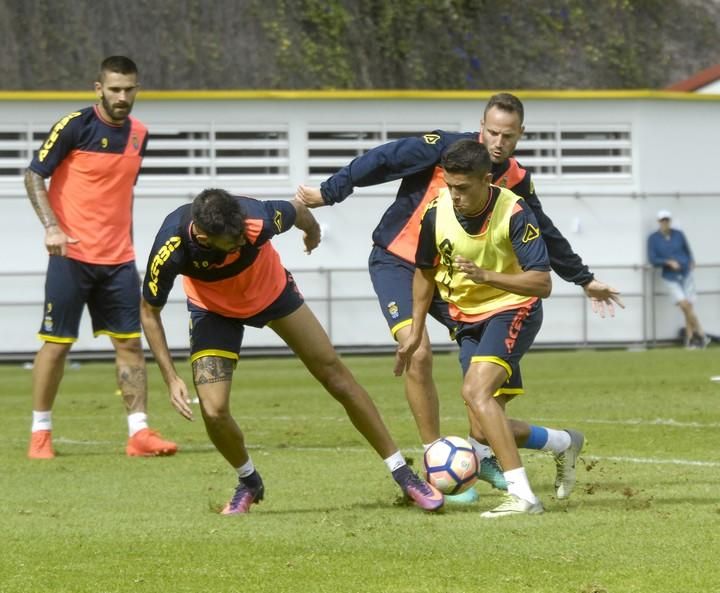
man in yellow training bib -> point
(480, 246)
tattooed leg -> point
(131, 373)
(213, 378)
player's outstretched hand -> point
(179, 398)
(603, 298)
(310, 196)
(404, 353)
(402, 360)
(312, 240)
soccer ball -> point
(451, 465)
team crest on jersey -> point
(48, 320)
(531, 233)
(104, 142)
(393, 310)
(135, 141)
(445, 249)
(431, 138)
(277, 220)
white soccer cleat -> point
(565, 465)
(514, 505)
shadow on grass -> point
(315, 509)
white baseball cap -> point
(664, 214)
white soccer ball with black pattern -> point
(451, 465)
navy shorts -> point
(502, 339)
(392, 279)
(112, 295)
(212, 334)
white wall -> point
(606, 219)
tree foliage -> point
(354, 44)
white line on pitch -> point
(551, 421)
(361, 449)
(558, 421)
(658, 422)
(632, 422)
(654, 461)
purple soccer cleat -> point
(424, 495)
(249, 491)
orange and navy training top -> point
(416, 160)
(93, 165)
(239, 284)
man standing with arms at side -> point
(94, 157)
(416, 160)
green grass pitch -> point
(645, 515)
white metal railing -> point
(346, 313)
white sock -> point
(558, 440)
(136, 422)
(41, 421)
(518, 484)
(246, 469)
(481, 451)
(395, 461)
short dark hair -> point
(468, 157)
(506, 102)
(117, 64)
(218, 213)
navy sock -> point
(253, 481)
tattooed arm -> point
(155, 335)
(56, 241)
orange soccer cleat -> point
(149, 443)
(41, 445)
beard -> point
(118, 112)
